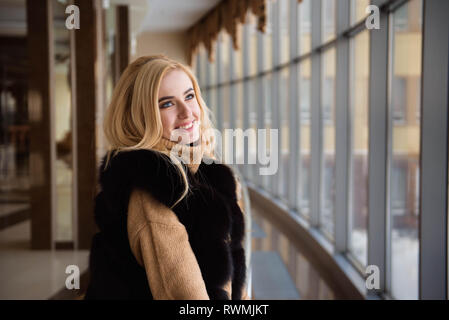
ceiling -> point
(174, 15)
(145, 15)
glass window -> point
(267, 82)
(252, 108)
(398, 100)
(284, 109)
(358, 10)
(304, 147)
(305, 27)
(358, 172)
(226, 120)
(212, 104)
(328, 20)
(212, 65)
(224, 43)
(239, 114)
(328, 146)
(225, 105)
(406, 46)
(204, 95)
(238, 89)
(202, 65)
(238, 54)
(268, 37)
(252, 47)
(284, 12)
(197, 68)
(63, 127)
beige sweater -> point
(160, 243)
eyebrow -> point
(171, 97)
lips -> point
(187, 125)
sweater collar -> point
(190, 155)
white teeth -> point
(188, 126)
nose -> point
(184, 111)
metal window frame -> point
(360, 265)
(294, 121)
(260, 102)
(252, 89)
(219, 67)
(342, 124)
(378, 138)
(246, 93)
(283, 178)
(232, 98)
(299, 187)
(390, 127)
(433, 258)
(275, 99)
(330, 236)
(203, 67)
(316, 134)
(208, 77)
(198, 69)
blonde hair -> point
(133, 119)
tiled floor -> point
(279, 271)
(271, 279)
(33, 274)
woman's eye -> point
(166, 105)
(190, 96)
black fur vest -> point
(209, 212)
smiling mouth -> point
(187, 126)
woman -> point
(170, 220)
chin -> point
(194, 137)
(185, 137)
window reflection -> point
(284, 131)
(328, 146)
(267, 82)
(305, 27)
(358, 172)
(404, 108)
(284, 11)
(268, 37)
(358, 10)
(304, 157)
(213, 66)
(224, 41)
(328, 20)
(252, 47)
(201, 67)
(252, 117)
(240, 153)
(238, 54)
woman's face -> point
(179, 108)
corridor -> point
(333, 114)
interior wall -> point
(172, 44)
